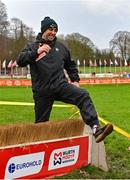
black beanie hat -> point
(46, 23)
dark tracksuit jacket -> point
(49, 82)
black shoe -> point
(102, 132)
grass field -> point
(112, 103)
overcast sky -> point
(98, 20)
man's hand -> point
(76, 84)
(44, 48)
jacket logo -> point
(57, 49)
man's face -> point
(50, 34)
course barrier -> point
(44, 159)
(50, 158)
(14, 82)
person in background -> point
(48, 58)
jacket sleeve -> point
(27, 55)
(71, 68)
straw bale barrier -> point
(13, 134)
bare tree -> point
(15, 25)
(4, 42)
(120, 45)
(3, 19)
(28, 33)
(18, 29)
(20, 34)
(81, 47)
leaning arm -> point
(71, 68)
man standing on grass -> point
(47, 59)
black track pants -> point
(43, 107)
(67, 93)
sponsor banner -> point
(44, 159)
(29, 164)
(63, 157)
(106, 81)
(5, 82)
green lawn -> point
(112, 103)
